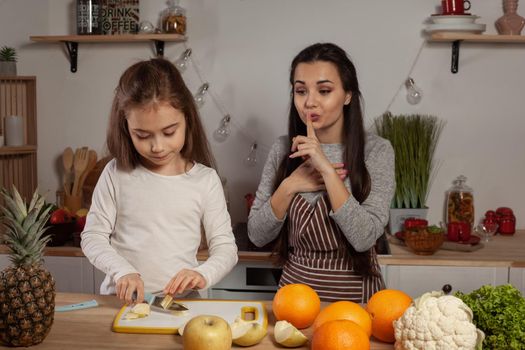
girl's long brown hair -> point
(154, 81)
(353, 140)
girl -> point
(143, 227)
(326, 188)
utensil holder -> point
(73, 203)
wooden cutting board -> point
(162, 323)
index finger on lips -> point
(310, 131)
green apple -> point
(207, 332)
(247, 333)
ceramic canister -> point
(14, 131)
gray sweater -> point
(362, 224)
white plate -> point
(457, 27)
(442, 19)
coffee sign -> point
(120, 17)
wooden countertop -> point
(91, 329)
(501, 251)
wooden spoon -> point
(67, 162)
(92, 161)
(79, 165)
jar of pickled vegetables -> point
(460, 202)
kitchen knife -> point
(157, 302)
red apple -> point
(60, 216)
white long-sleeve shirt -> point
(147, 223)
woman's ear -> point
(348, 98)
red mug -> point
(454, 7)
(458, 231)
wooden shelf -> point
(477, 38)
(4, 150)
(456, 38)
(108, 38)
(17, 77)
(72, 41)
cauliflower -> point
(437, 322)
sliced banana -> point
(140, 310)
(287, 335)
(247, 333)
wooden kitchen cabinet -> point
(416, 280)
(18, 164)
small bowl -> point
(423, 242)
(486, 230)
(453, 19)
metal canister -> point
(88, 17)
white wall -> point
(244, 48)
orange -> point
(385, 307)
(345, 310)
(340, 335)
(296, 303)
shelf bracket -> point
(72, 49)
(455, 56)
(159, 48)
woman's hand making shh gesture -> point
(316, 173)
(332, 175)
(309, 148)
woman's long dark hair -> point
(353, 140)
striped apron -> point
(315, 257)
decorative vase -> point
(510, 23)
(7, 68)
(398, 216)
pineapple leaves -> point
(24, 226)
(11, 208)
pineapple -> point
(27, 289)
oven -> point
(254, 280)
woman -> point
(326, 187)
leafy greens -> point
(500, 313)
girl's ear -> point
(348, 98)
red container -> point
(506, 221)
(415, 223)
(458, 231)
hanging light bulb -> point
(223, 131)
(182, 62)
(251, 160)
(201, 94)
(414, 93)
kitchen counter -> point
(501, 251)
(91, 329)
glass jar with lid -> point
(173, 19)
(460, 202)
